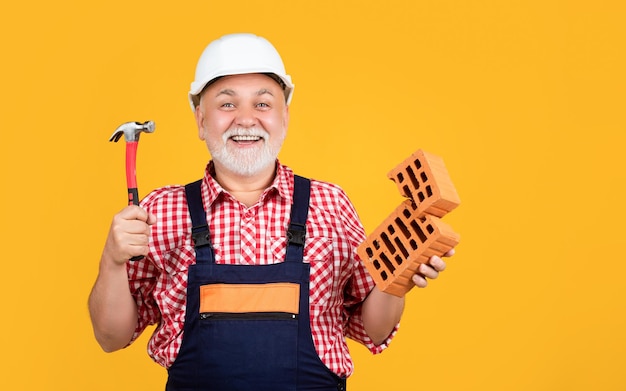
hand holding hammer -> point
(131, 132)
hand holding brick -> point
(414, 232)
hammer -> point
(131, 132)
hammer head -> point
(132, 130)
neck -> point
(246, 189)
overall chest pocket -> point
(318, 252)
(250, 331)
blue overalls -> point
(230, 350)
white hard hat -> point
(237, 54)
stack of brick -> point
(414, 232)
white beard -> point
(249, 161)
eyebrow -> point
(229, 92)
(264, 91)
(225, 91)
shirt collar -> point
(281, 186)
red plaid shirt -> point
(256, 235)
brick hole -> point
(400, 245)
(406, 213)
(390, 229)
(402, 227)
(429, 191)
(369, 252)
(413, 178)
(430, 229)
(383, 275)
(377, 264)
(388, 243)
(418, 231)
(420, 196)
(387, 263)
(400, 177)
(376, 244)
(424, 176)
(417, 163)
(413, 244)
(399, 260)
(406, 191)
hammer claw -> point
(116, 136)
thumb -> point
(151, 219)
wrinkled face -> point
(243, 120)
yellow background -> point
(524, 100)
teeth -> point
(246, 138)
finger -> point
(137, 227)
(136, 244)
(121, 229)
(137, 251)
(450, 253)
(129, 232)
(134, 212)
(427, 271)
(121, 245)
(437, 263)
(419, 281)
(137, 239)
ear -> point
(200, 122)
(286, 117)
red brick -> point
(424, 178)
(406, 239)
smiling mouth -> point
(246, 139)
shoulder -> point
(331, 200)
(331, 207)
(164, 198)
(328, 193)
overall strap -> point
(296, 232)
(200, 229)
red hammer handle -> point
(131, 172)
(131, 178)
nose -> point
(246, 118)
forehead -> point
(246, 82)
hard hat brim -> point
(197, 87)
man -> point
(250, 273)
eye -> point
(263, 105)
(230, 105)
